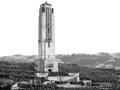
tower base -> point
(46, 66)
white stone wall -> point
(62, 78)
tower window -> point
(49, 44)
(43, 9)
(52, 10)
(48, 30)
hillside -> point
(100, 60)
(18, 58)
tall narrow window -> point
(48, 29)
(49, 44)
(43, 9)
(52, 10)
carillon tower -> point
(46, 42)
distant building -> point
(87, 82)
(46, 61)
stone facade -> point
(46, 42)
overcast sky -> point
(81, 26)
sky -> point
(81, 26)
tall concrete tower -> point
(46, 40)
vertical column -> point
(42, 37)
(53, 30)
